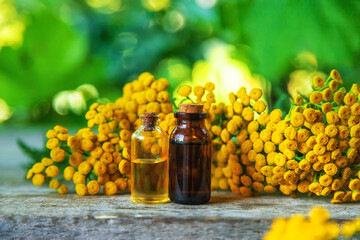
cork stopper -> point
(149, 120)
(191, 108)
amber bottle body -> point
(190, 160)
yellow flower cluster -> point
(317, 144)
(93, 160)
(318, 226)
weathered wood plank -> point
(31, 212)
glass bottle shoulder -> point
(141, 133)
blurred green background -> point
(57, 57)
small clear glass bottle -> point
(149, 162)
(190, 157)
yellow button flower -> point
(52, 143)
(110, 188)
(57, 154)
(38, 179)
(51, 134)
(38, 167)
(184, 91)
(81, 189)
(124, 167)
(276, 115)
(316, 97)
(63, 189)
(47, 161)
(54, 184)
(318, 82)
(52, 171)
(75, 159)
(78, 178)
(255, 94)
(69, 173)
(93, 187)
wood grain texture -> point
(31, 212)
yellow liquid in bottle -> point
(149, 180)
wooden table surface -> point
(31, 212)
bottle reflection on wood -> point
(190, 158)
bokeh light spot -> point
(206, 3)
(173, 21)
(155, 5)
(5, 112)
(125, 41)
(105, 6)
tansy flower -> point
(325, 180)
(322, 139)
(315, 187)
(343, 132)
(237, 107)
(60, 129)
(153, 107)
(318, 82)
(354, 184)
(199, 91)
(276, 115)
(290, 133)
(355, 131)
(355, 109)
(52, 143)
(38, 179)
(298, 99)
(209, 86)
(163, 96)
(349, 99)
(331, 130)
(338, 96)
(302, 134)
(63, 189)
(151, 95)
(317, 128)
(326, 107)
(232, 127)
(304, 165)
(51, 133)
(336, 184)
(297, 119)
(121, 184)
(332, 117)
(344, 112)
(84, 167)
(110, 188)
(316, 97)
(327, 94)
(57, 154)
(303, 186)
(255, 94)
(38, 167)
(78, 178)
(248, 114)
(100, 168)
(52, 171)
(124, 167)
(334, 74)
(106, 157)
(75, 159)
(81, 189)
(184, 91)
(259, 106)
(333, 85)
(338, 195)
(216, 130)
(310, 115)
(54, 184)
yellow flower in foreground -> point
(63, 189)
(93, 187)
(110, 188)
(318, 82)
(52, 171)
(38, 179)
(81, 189)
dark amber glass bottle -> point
(190, 157)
